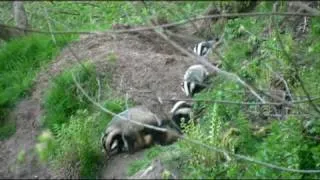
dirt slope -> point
(145, 65)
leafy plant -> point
(63, 99)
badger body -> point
(123, 135)
(194, 79)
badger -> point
(204, 48)
(180, 110)
(194, 79)
(122, 135)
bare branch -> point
(49, 25)
(165, 25)
(282, 79)
(228, 102)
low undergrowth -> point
(74, 123)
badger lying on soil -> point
(122, 135)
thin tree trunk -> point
(21, 21)
(20, 15)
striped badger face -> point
(181, 110)
(113, 142)
(204, 48)
(194, 79)
(122, 135)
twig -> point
(78, 60)
(49, 26)
(182, 12)
(213, 148)
(99, 89)
(304, 24)
(227, 102)
(282, 79)
(279, 115)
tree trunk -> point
(21, 21)
(19, 14)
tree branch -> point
(166, 25)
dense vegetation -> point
(21, 59)
(74, 126)
(286, 143)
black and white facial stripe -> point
(193, 80)
(203, 48)
(181, 110)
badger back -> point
(196, 73)
(143, 115)
(138, 114)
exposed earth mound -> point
(145, 65)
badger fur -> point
(181, 110)
(194, 79)
(122, 135)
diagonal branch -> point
(228, 102)
(4, 26)
(212, 67)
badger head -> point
(113, 142)
(188, 87)
(194, 79)
(203, 48)
(181, 110)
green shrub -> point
(63, 98)
(81, 139)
